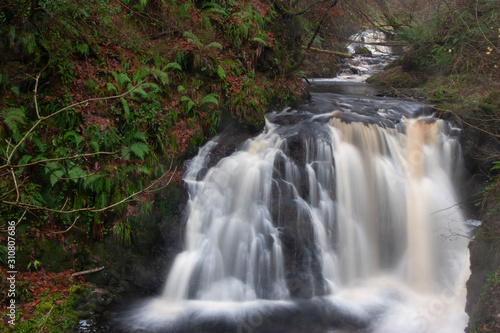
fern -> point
(139, 75)
(259, 40)
(190, 104)
(94, 145)
(214, 44)
(55, 175)
(140, 136)
(76, 173)
(160, 75)
(152, 87)
(210, 98)
(111, 87)
(140, 149)
(15, 90)
(121, 79)
(122, 233)
(126, 109)
(144, 169)
(192, 38)
(92, 182)
(137, 91)
(14, 117)
(126, 153)
(216, 8)
(221, 72)
(174, 65)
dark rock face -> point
(302, 259)
(483, 293)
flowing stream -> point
(341, 216)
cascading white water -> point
(369, 39)
(360, 215)
(233, 250)
(341, 216)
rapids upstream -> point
(341, 216)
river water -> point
(341, 216)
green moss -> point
(397, 77)
(363, 51)
(53, 257)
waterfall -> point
(341, 216)
(353, 211)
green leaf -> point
(160, 75)
(39, 144)
(140, 136)
(221, 72)
(140, 149)
(174, 65)
(126, 109)
(76, 172)
(126, 153)
(111, 87)
(121, 79)
(90, 182)
(192, 38)
(153, 87)
(24, 159)
(138, 91)
(214, 44)
(55, 175)
(259, 40)
(139, 75)
(210, 98)
(145, 169)
(15, 90)
(190, 103)
(14, 117)
(94, 145)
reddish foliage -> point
(34, 286)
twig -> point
(90, 209)
(63, 158)
(15, 184)
(62, 232)
(36, 94)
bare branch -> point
(63, 158)
(62, 232)
(93, 209)
(93, 270)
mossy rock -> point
(363, 51)
(53, 257)
(399, 78)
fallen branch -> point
(340, 54)
(93, 270)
